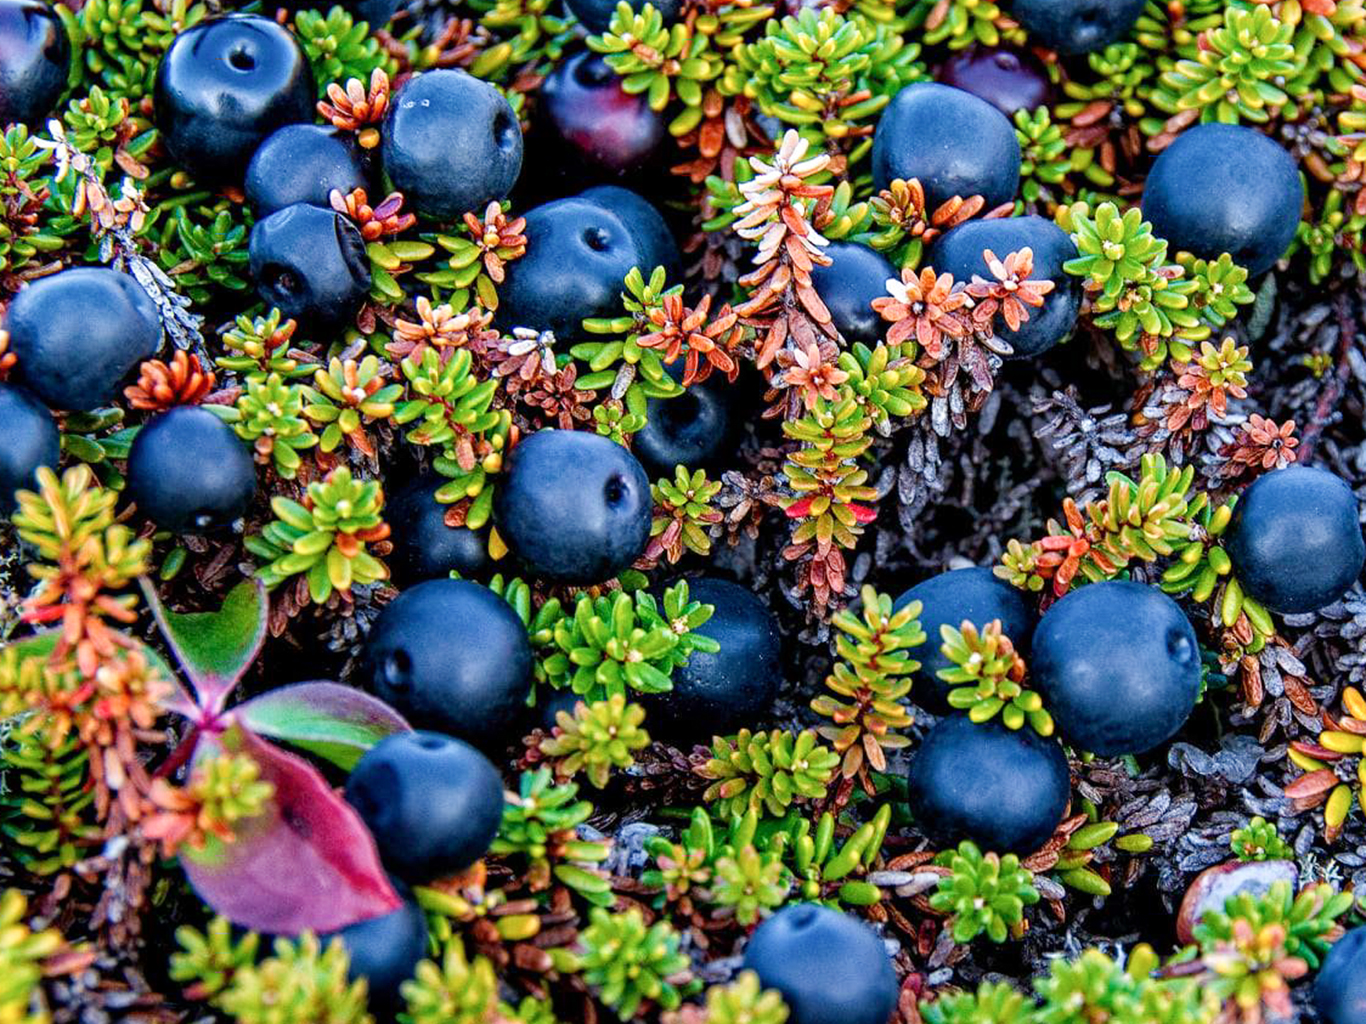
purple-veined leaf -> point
(336, 722)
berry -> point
(432, 802)
(1224, 188)
(1005, 789)
(951, 598)
(311, 263)
(303, 163)
(654, 240)
(224, 86)
(590, 124)
(716, 694)
(1009, 80)
(385, 950)
(188, 471)
(830, 968)
(1295, 539)
(959, 252)
(78, 333)
(596, 15)
(575, 507)
(855, 277)
(451, 144)
(425, 548)
(1076, 26)
(453, 656)
(577, 255)
(31, 440)
(953, 142)
(35, 56)
(692, 429)
(1118, 666)
(1340, 988)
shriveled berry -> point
(1118, 666)
(574, 506)
(1340, 987)
(653, 237)
(452, 656)
(385, 950)
(855, 277)
(31, 440)
(1009, 80)
(303, 163)
(593, 127)
(425, 548)
(35, 58)
(311, 264)
(1005, 789)
(596, 15)
(432, 802)
(188, 471)
(1295, 539)
(1076, 26)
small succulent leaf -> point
(215, 648)
(41, 644)
(335, 722)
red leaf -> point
(862, 513)
(798, 508)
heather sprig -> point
(348, 395)
(540, 824)
(260, 346)
(1097, 987)
(682, 513)
(629, 963)
(452, 990)
(301, 981)
(984, 893)
(767, 770)
(1259, 840)
(993, 1002)
(596, 738)
(46, 804)
(22, 952)
(750, 883)
(745, 1001)
(987, 676)
(271, 417)
(338, 46)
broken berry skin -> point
(385, 950)
(432, 802)
(574, 507)
(31, 440)
(426, 548)
(35, 56)
(855, 277)
(1295, 539)
(1118, 665)
(1340, 987)
(1225, 188)
(189, 473)
(311, 264)
(1005, 789)
(954, 143)
(1076, 26)
(830, 967)
(452, 656)
(1009, 80)
(303, 163)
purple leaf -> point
(306, 862)
(336, 722)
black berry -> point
(31, 440)
(189, 473)
(646, 225)
(311, 263)
(1009, 80)
(425, 548)
(303, 163)
(385, 950)
(35, 58)
(594, 127)
(1295, 539)
(596, 15)
(1076, 26)
(1118, 666)
(692, 429)
(855, 277)
(1340, 987)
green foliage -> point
(961, 23)
(683, 511)
(596, 738)
(45, 802)
(339, 47)
(767, 771)
(988, 678)
(204, 248)
(540, 822)
(300, 982)
(23, 235)
(660, 62)
(1334, 235)
(1234, 940)
(259, 347)
(884, 381)
(120, 42)
(985, 893)
(1095, 987)
(456, 990)
(228, 788)
(208, 960)
(828, 484)
(346, 396)
(22, 952)
(622, 365)
(994, 1002)
(745, 1001)
(97, 124)
(750, 883)
(271, 417)
(1220, 287)
(628, 963)
(1044, 154)
(1259, 840)
(527, 32)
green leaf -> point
(335, 722)
(215, 648)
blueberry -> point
(716, 694)
(31, 440)
(189, 473)
(385, 950)
(1009, 80)
(1118, 666)
(311, 263)
(1295, 539)
(1076, 26)
(1224, 188)
(224, 86)
(35, 57)
(577, 255)
(831, 968)
(375, 13)
(953, 142)
(959, 252)
(595, 127)
(452, 655)
(855, 277)
(425, 548)
(78, 333)
(303, 163)
(1340, 988)
(596, 15)
(692, 429)
(432, 802)
(951, 598)
(646, 225)
(1005, 789)
(451, 144)
(574, 506)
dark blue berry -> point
(451, 144)
(303, 163)
(1009, 80)
(1225, 188)
(715, 694)
(189, 473)
(451, 655)
(311, 263)
(578, 254)
(952, 142)
(385, 951)
(855, 277)
(425, 548)
(692, 429)
(31, 440)
(831, 968)
(959, 252)
(950, 599)
(78, 333)
(1005, 789)
(593, 126)
(224, 86)
(654, 241)
(1076, 26)
(432, 802)
(1295, 539)
(1340, 987)
(35, 58)
(596, 15)
(1118, 666)
(575, 507)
